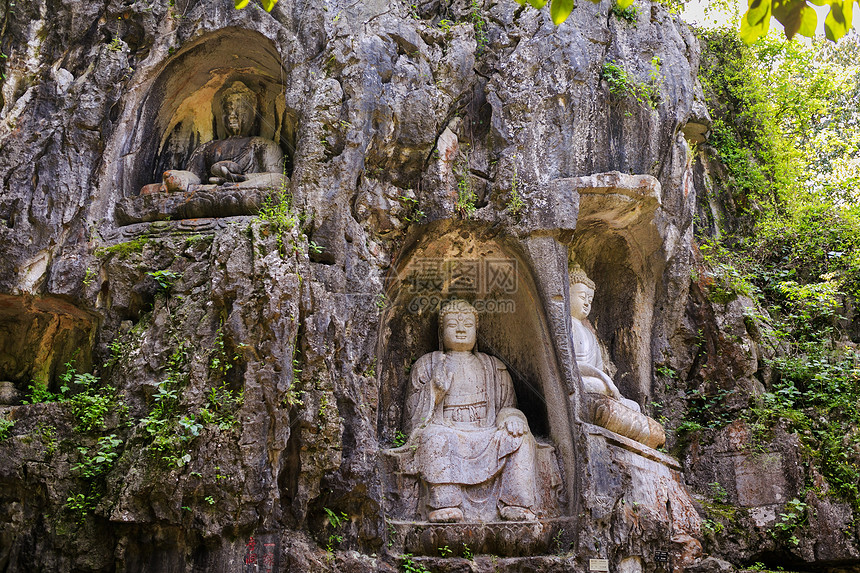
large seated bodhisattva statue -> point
(605, 405)
(472, 447)
(241, 158)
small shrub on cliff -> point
(6, 428)
(38, 393)
(466, 197)
(629, 14)
(277, 210)
(622, 84)
(96, 463)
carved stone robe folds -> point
(586, 348)
(459, 438)
(252, 154)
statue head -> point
(581, 293)
(239, 104)
(458, 325)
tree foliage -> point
(784, 116)
(796, 16)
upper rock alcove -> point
(187, 106)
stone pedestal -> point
(507, 539)
(635, 505)
(200, 202)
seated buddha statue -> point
(604, 402)
(240, 158)
(472, 446)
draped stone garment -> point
(252, 154)
(585, 345)
(462, 452)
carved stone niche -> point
(213, 136)
(38, 336)
(477, 448)
(622, 243)
(620, 248)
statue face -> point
(580, 300)
(459, 331)
(238, 116)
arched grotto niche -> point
(38, 337)
(181, 110)
(490, 273)
(617, 243)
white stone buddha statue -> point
(473, 448)
(604, 403)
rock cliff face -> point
(252, 368)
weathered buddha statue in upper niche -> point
(240, 158)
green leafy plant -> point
(629, 14)
(793, 516)
(80, 505)
(6, 428)
(96, 463)
(408, 565)
(515, 201)
(413, 213)
(479, 24)
(467, 552)
(277, 211)
(399, 439)
(466, 197)
(718, 492)
(222, 405)
(335, 519)
(165, 278)
(170, 432)
(89, 276)
(37, 393)
(623, 85)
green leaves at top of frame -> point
(796, 17)
(533, 3)
(559, 10)
(838, 21)
(267, 4)
(756, 22)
